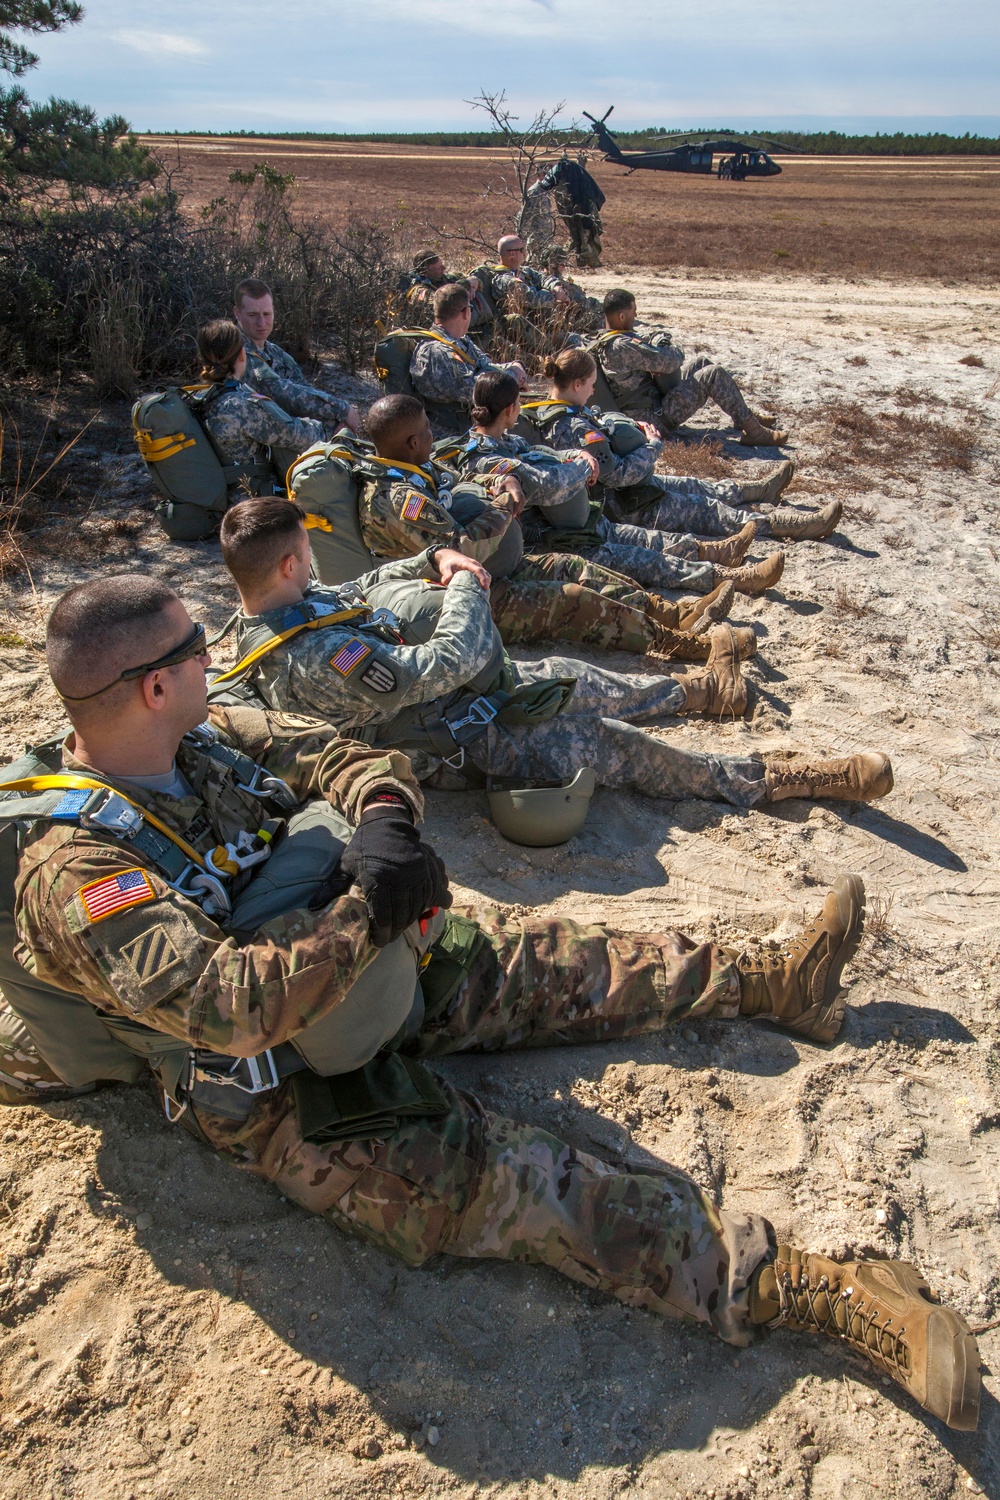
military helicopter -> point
(691, 155)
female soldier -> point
(560, 514)
(673, 503)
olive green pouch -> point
(373, 1101)
(448, 962)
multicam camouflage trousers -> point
(476, 1185)
(704, 506)
(701, 381)
(561, 597)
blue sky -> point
(410, 64)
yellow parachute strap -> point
(395, 463)
(313, 522)
(604, 338)
(156, 450)
(317, 448)
(537, 405)
(286, 635)
(441, 338)
(68, 782)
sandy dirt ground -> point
(173, 1329)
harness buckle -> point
(262, 784)
(204, 888)
(262, 1080)
(385, 617)
(115, 815)
(480, 714)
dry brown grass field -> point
(857, 216)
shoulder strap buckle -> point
(112, 813)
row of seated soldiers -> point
(164, 920)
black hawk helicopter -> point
(691, 155)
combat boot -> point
(680, 645)
(730, 550)
(885, 1310)
(853, 778)
(700, 614)
(754, 578)
(720, 688)
(756, 435)
(755, 491)
(796, 984)
(805, 525)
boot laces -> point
(814, 778)
(874, 1330)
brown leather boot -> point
(755, 578)
(796, 984)
(805, 525)
(720, 688)
(885, 1310)
(756, 435)
(853, 778)
(729, 550)
(770, 487)
(700, 614)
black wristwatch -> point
(432, 553)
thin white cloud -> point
(158, 43)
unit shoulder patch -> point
(350, 656)
(151, 954)
(379, 677)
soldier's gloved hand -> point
(400, 876)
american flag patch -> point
(414, 505)
(594, 437)
(101, 898)
(348, 657)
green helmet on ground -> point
(543, 815)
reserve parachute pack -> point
(195, 482)
(348, 1078)
(393, 356)
(623, 433)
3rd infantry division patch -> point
(150, 954)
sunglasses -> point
(195, 645)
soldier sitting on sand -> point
(272, 371)
(295, 1044)
(443, 370)
(653, 380)
(586, 314)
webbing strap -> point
(264, 649)
(395, 463)
(157, 450)
(66, 781)
(440, 338)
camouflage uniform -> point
(706, 507)
(274, 373)
(368, 700)
(549, 596)
(584, 313)
(630, 360)
(654, 559)
(470, 1183)
(419, 288)
(407, 510)
(439, 373)
(532, 318)
(244, 423)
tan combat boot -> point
(756, 435)
(796, 984)
(805, 525)
(700, 614)
(679, 645)
(729, 550)
(885, 1310)
(853, 778)
(720, 688)
(755, 578)
(757, 490)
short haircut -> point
(509, 242)
(569, 365)
(617, 300)
(425, 258)
(251, 287)
(256, 535)
(450, 300)
(390, 416)
(219, 345)
(492, 393)
(100, 629)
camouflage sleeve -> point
(315, 759)
(94, 921)
(399, 518)
(543, 483)
(264, 422)
(347, 680)
(625, 356)
(284, 365)
(440, 374)
(515, 290)
(295, 396)
(417, 566)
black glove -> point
(400, 876)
